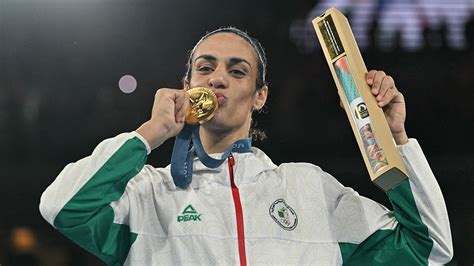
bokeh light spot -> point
(127, 84)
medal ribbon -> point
(183, 153)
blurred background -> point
(74, 72)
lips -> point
(220, 98)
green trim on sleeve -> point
(100, 236)
(87, 218)
(407, 244)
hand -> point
(167, 116)
(392, 101)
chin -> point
(220, 119)
(218, 124)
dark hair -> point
(261, 58)
(261, 66)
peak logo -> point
(189, 214)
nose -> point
(218, 80)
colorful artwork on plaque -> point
(373, 150)
(345, 78)
(360, 115)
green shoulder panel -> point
(87, 218)
(407, 244)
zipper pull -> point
(231, 160)
(231, 163)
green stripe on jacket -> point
(87, 218)
(407, 244)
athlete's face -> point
(227, 64)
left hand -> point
(391, 101)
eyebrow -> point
(232, 61)
(206, 57)
(237, 60)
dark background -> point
(60, 62)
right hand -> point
(167, 116)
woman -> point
(246, 210)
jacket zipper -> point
(238, 212)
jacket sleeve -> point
(79, 203)
(416, 232)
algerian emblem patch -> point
(283, 214)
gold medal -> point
(203, 105)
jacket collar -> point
(247, 167)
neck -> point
(218, 142)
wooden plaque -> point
(367, 119)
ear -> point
(260, 98)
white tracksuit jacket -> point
(247, 211)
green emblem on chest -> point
(283, 215)
(189, 214)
